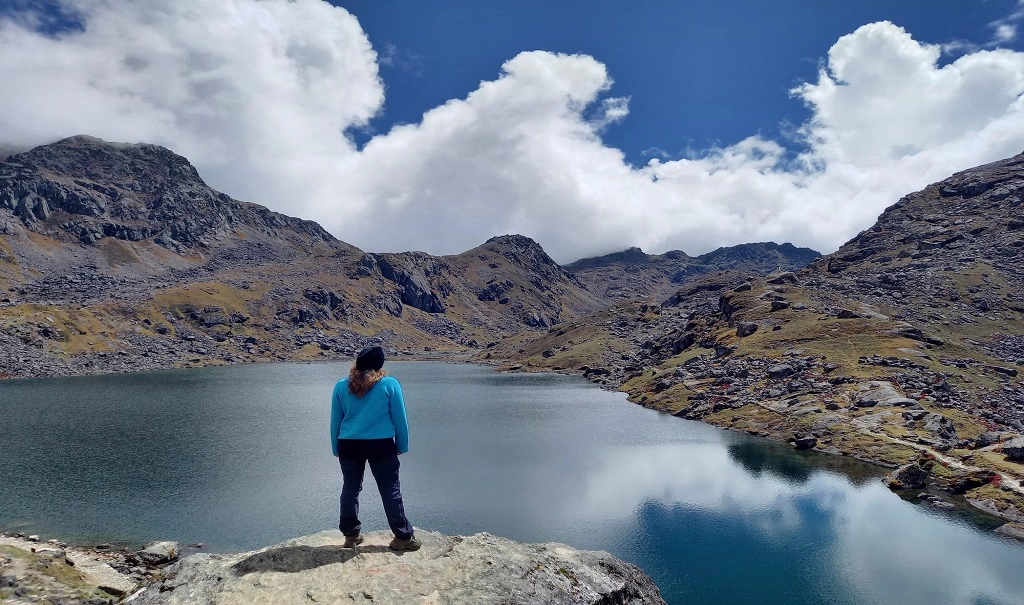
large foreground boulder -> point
(448, 570)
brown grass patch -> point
(45, 242)
(117, 252)
(999, 462)
(204, 294)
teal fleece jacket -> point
(378, 414)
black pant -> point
(353, 454)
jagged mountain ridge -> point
(118, 256)
(632, 273)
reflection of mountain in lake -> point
(797, 466)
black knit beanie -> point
(370, 358)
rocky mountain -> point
(633, 273)
(903, 347)
(118, 257)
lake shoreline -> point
(1007, 506)
(58, 571)
(1005, 501)
(236, 457)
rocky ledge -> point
(52, 572)
(447, 570)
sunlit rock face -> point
(448, 569)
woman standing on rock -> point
(368, 424)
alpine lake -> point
(239, 458)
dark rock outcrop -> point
(410, 271)
(909, 476)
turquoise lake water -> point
(239, 457)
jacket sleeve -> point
(337, 415)
(398, 416)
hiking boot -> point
(411, 544)
(352, 541)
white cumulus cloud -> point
(256, 94)
(259, 95)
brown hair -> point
(360, 381)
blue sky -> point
(698, 74)
(588, 126)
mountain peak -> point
(522, 250)
(514, 240)
(87, 157)
(762, 256)
(86, 189)
(629, 256)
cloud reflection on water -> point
(883, 549)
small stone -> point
(804, 443)
(159, 552)
(780, 371)
(723, 350)
(746, 328)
